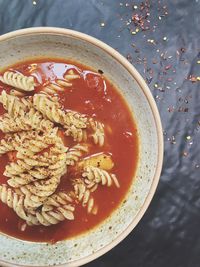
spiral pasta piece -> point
(83, 195)
(60, 214)
(97, 175)
(16, 202)
(64, 83)
(16, 168)
(24, 171)
(20, 176)
(52, 160)
(25, 122)
(29, 173)
(76, 119)
(31, 202)
(43, 188)
(18, 80)
(20, 180)
(58, 86)
(5, 147)
(74, 153)
(51, 109)
(77, 134)
(53, 215)
(13, 104)
(71, 75)
(98, 132)
(48, 212)
(73, 122)
(9, 124)
(20, 140)
(57, 200)
(35, 121)
(12, 141)
(52, 88)
(30, 147)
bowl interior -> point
(71, 45)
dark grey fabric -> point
(168, 235)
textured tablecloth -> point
(161, 39)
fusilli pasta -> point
(28, 160)
(29, 172)
(9, 124)
(98, 132)
(71, 75)
(97, 175)
(58, 199)
(26, 122)
(52, 88)
(64, 83)
(75, 152)
(60, 214)
(44, 216)
(16, 202)
(77, 134)
(83, 195)
(72, 121)
(12, 141)
(5, 147)
(50, 108)
(73, 118)
(14, 105)
(43, 188)
(18, 80)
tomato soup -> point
(95, 96)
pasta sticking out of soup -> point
(68, 148)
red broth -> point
(95, 96)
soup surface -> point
(77, 88)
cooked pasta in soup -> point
(68, 148)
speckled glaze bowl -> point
(54, 42)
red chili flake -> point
(138, 20)
(145, 6)
(169, 79)
(168, 67)
(170, 109)
(141, 19)
(12, 156)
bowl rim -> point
(146, 91)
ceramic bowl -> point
(62, 43)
